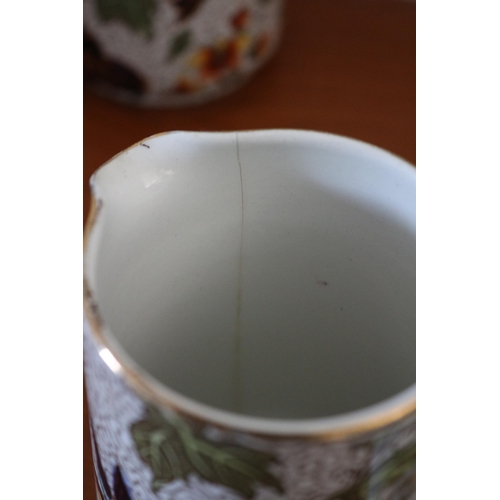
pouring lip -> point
(370, 419)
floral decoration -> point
(174, 451)
(179, 44)
(240, 19)
(225, 56)
(397, 473)
(169, 52)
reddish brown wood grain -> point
(344, 66)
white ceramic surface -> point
(249, 322)
(265, 273)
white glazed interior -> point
(269, 273)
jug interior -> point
(270, 278)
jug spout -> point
(166, 210)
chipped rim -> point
(377, 417)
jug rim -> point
(372, 418)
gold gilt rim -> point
(155, 393)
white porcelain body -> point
(263, 283)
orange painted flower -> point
(240, 20)
(215, 60)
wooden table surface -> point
(344, 66)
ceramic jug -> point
(250, 319)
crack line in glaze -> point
(237, 374)
(377, 418)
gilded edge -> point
(150, 394)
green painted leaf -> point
(173, 451)
(399, 468)
(136, 14)
(179, 44)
